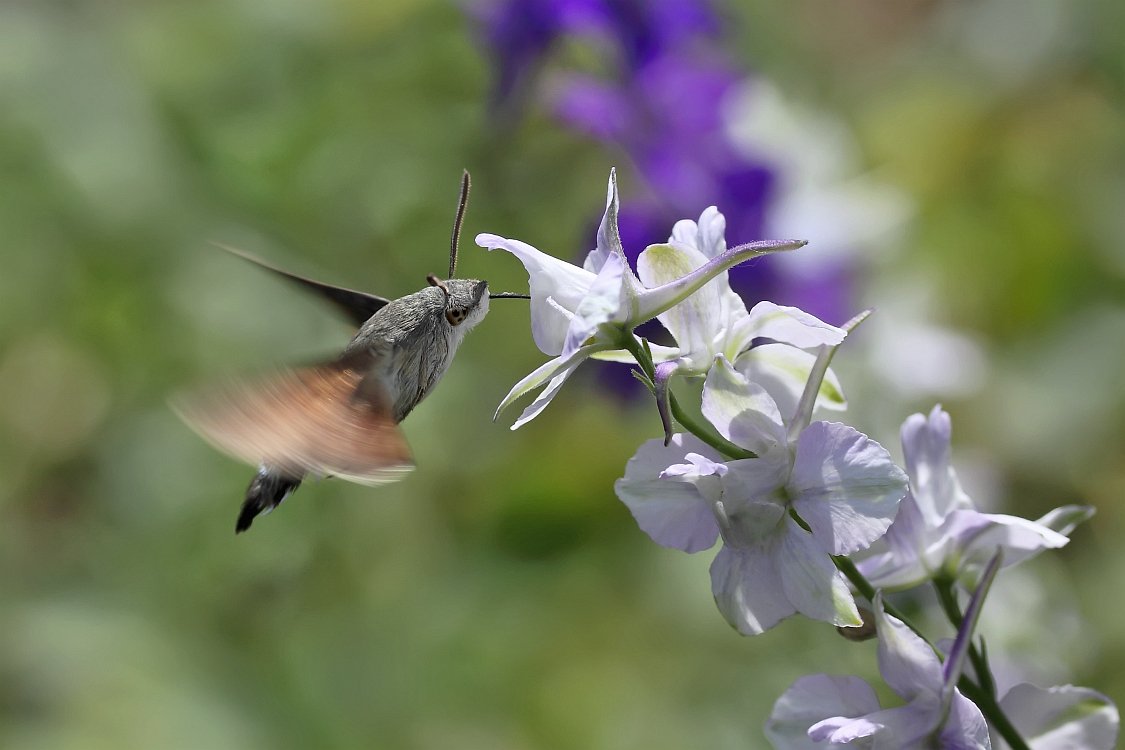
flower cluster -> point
(813, 516)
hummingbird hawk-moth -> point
(340, 418)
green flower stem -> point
(643, 356)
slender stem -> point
(643, 356)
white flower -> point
(579, 312)
(842, 486)
(714, 322)
(938, 531)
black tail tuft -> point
(266, 491)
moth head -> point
(466, 300)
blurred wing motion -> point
(329, 420)
(358, 307)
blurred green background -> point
(500, 597)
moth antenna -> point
(435, 281)
(462, 204)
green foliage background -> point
(500, 597)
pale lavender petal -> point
(609, 238)
(1062, 718)
(926, 446)
(674, 514)
(812, 698)
(908, 664)
(783, 371)
(900, 562)
(964, 727)
(845, 486)
(548, 277)
(811, 581)
(787, 325)
(741, 411)
(748, 590)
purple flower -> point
(1062, 718)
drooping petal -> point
(783, 371)
(748, 589)
(652, 302)
(1060, 718)
(908, 664)
(811, 581)
(674, 514)
(609, 237)
(547, 394)
(926, 446)
(840, 730)
(548, 277)
(811, 699)
(548, 371)
(786, 325)
(659, 354)
(845, 486)
(741, 411)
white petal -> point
(552, 370)
(674, 514)
(546, 395)
(810, 579)
(845, 486)
(926, 447)
(786, 325)
(550, 277)
(1061, 718)
(747, 589)
(609, 238)
(708, 236)
(811, 699)
(741, 411)
(783, 371)
(1066, 518)
(908, 664)
(603, 303)
(694, 322)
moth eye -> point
(455, 317)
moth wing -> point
(358, 307)
(331, 420)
